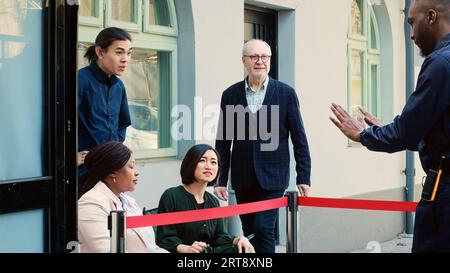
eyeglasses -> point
(255, 58)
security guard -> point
(424, 124)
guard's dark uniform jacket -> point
(424, 126)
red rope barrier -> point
(162, 219)
(357, 204)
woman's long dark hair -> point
(191, 160)
(104, 39)
(101, 161)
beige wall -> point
(218, 46)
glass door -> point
(36, 183)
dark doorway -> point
(260, 23)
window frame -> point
(95, 21)
(370, 62)
(373, 21)
(157, 29)
(358, 37)
(132, 27)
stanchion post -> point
(291, 218)
(117, 224)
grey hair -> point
(245, 47)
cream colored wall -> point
(219, 36)
(155, 176)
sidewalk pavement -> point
(400, 244)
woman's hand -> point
(196, 247)
(244, 244)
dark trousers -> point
(432, 223)
(262, 224)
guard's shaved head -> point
(442, 6)
(435, 2)
(430, 20)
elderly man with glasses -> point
(258, 115)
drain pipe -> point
(410, 170)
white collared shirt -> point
(147, 233)
(255, 99)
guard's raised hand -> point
(348, 125)
(370, 119)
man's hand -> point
(303, 190)
(369, 118)
(244, 245)
(80, 158)
(221, 193)
(350, 127)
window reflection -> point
(87, 8)
(123, 10)
(356, 82)
(158, 13)
(148, 89)
(356, 18)
(373, 36)
(22, 90)
(374, 88)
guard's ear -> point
(431, 16)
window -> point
(88, 9)
(150, 78)
(21, 49)
(158, 19)
(363, 60)
(125, 14)
(357, 18)
(91, 12)
(149, 99)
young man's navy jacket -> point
(103, 113)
